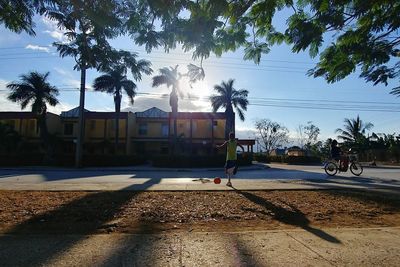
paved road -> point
(308, 247)
(278, 176)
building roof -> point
(201, 115)
(19, 115)
(152, 113)
(73, 113)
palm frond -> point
(51, 100)
(130, 89)
(104, 83)
(395, 91)
(160, 80)
(241, 114)
(216, 102)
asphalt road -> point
(116, 179)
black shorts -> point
(230, 164)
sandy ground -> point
(141, 212)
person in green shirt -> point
(231, 156)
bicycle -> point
(350, 161)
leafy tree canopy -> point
(361, 34)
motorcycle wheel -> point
(356, 168)
(331, 168)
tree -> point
(227, 98)
(34, 89)
(361, 33)
(271, 134)
(170, 77)
(307, 134)
(17, 15)
(115, 82)
(88, 25)
(354, 132)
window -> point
(111, 125)
(68, 129)
(32, 125)
(164, 130)
(215, 123)
(92, 125)
(143, 129)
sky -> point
(279, 89)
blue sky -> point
(279, 81)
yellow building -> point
(142, 133)
(197, 133)
(26, 125)
(99, 131)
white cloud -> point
(53, 30)
(68, 79)
(5, 104)
(38, 48)
(56, 34)
(60, 107)
(245, 133)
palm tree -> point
(88, 26)
(354, 131)
(35, 89)
(228, 97)
(170, 77)
(115, 82)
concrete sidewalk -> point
(309, 247)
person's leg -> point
(235, 169)
(229, 175)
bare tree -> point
(311, 132)
(301, 136)
(307, 135)
(271, 134)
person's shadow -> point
(292, 217)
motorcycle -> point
(348, 161)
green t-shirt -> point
(231, 150)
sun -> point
(201, 89)
(197, 93)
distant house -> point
(295, 151)
(278, 152)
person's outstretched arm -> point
(221, 146)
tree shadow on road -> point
(91, 214)
(291, 216)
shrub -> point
(287, 159)
(261, 157)
(37, 159)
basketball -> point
(217, 180)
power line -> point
(68, 88)
(179, 53)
